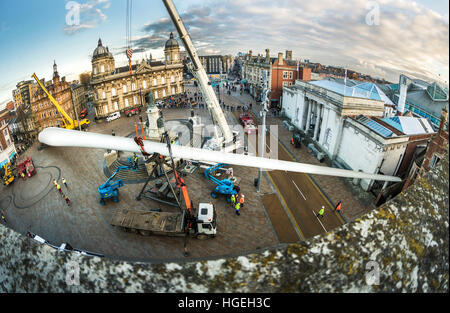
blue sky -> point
(412, 37)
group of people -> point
(58, 187)
(237, 202)
(337, 208)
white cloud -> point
(90, 15)
(410, 39)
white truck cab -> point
(206, 221)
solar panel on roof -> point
(379, 129)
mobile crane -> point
(68, 122)
(228, 141)
(9, 177)
(183, 223)
(225, 186)
(110, 189)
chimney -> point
(259, 57)
(403, 87)
(444, 115)
(250, 54)
(267, 55)
(289, 55)
(280, 58)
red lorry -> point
(26, 167)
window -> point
(156, 94)
(285, 84)
(126, 103)
(173, 90)
(104, 95)
(133, 86)
(3, 123)
(175, 57)
(172, 78)
(105, 108)
(168, 57)
(135, 99)
(155, 82)
(113, 92)
(95, 71)
(124, 88)
(290, 75)
(116, 106)
(285, 74)
(163, 80)
(144, 84)
(434, 160)
(164, 92)
(290, 83)
(103, 69)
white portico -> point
(319, 109)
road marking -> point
(318, 220)
(289, 213)
(299, 189)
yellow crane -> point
(67, 121)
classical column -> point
(316, 128)
(308, 115)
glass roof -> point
(378, 128)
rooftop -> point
(350, 89)
(410, 125)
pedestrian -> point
(54, 182)
(59, 188)
(338, 206)
(242, 200)
(135, 160)
(113, 133)
(67, 200)
(320, 213)
(22, 175)
(237, 208)
(233, 200)
(3, 217)
(64, 181)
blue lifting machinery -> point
(110, 189)
(225, 186)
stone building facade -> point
(45, 112)
(115, 89)
(7, 148)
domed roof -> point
(172, 43)
(101, 51)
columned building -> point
(115, 89)
(346, 123)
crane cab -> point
(206, 221)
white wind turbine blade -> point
(70, 138)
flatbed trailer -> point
(150, 223)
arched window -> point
(124, 88)
(156, 94)
(163, 80)
(113, 92)
(155, 82)
(103, 68)
(164, 92)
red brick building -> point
(281, 71)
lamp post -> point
(262, 142)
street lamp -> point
(263, 113)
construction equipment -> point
(225, 186)
(181, 223)
(68, 122)
(110, 189)
(228, 140)
(26, 167)
(8, 177)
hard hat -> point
(243, 196)
(323, 207)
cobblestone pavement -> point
(35, 205)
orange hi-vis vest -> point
(338, 208)
(241, 200)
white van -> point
(113, 117)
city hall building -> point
(115, 89)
